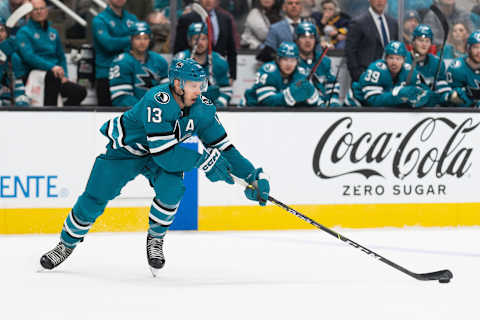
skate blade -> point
(154, 271)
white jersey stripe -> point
(164, 146)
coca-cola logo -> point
(432, 146)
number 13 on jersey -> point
(154, 115)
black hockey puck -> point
(444, 280)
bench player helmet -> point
(287, 49)
(396, 48)
(196, 28)
(140, 27)
(473, 38)
(423, 31)
(305, 29)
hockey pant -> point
(110, 173)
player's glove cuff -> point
(287, 95)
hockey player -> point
(427, 64)
(10, 59)
(146, 140)
(219, 89)
(111, 36)
(386, 83)
(282, 82)
(464, 75)
(324, 81)
(133, 73)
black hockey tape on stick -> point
(443, 20)
(443, 276)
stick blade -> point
(18, 14)
(442, 276)
(199, 9)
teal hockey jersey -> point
(156, 126)
(377, 88)
(466, 81)
(427, 70)
(8, 56)
(324, 80)
(269, 87)
(130, 79)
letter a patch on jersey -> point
(190, 125)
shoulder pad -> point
(457, 63)
(218, 56)
(269, 67)
(381, 65)
(203, 108)
(205, 101)
(181, 55)
(407, 66)
(159, 97)
(302, 71)
(119, 57)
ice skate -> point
(155, 256)
(54, 257)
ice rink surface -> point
(245, 275)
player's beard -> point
(472, 57)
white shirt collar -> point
(374, 14)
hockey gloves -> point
(422, 99)
(298, 92)
(215, 166)
(414, 95)
(460, 98)
(261, 187)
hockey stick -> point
(69, 12)
(194, 50)
(18, 14)
(443, 276)
(414, 66)
(204, 15)
(342, 62)
(100, 3)
(315, 67)
(446, 30)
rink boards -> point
(349, 169)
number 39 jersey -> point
(375, 86)
(156, 126)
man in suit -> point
(223, 40)
(367, 37)
(281, 31)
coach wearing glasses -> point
(40, 48)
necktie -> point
(294, 25)
(384, 32)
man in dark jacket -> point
(222, 27)
(368, 34)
